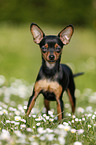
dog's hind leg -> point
(71, 94)
(47, 105)
(62, 107)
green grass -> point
(40, 129)
(20, 58)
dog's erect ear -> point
(66, 33)
(37, 33)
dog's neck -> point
(50, 69)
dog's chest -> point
(47, 85)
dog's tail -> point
(78, 74)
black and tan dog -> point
(53, 78)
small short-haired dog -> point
(53, 78)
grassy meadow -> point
(20, 60)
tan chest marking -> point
(47, 85)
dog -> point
(53, 78)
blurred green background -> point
(21, 58)
(81, 12)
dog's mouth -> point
(51, 61)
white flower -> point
(77, 143)
(22, 126)
(21, 141)
(60, 132)
(80, 110)
(50, 112)
(17, 118)
(16, 123)
(61, 126)
(40, 118)
(42, 138)
(76, 119)
(17, 112)
(20, 107)
(49, 137)
(95, 112)
(12, 122)
(23, 120)
(34, 143)
(29, 130)
(31, 139)
(34, 116)
(89, 109)
(5, 111)
(89, 126)
(93, 117)
(19, 134)
(73, 116)
(12, 109)
(47, 117)
(1, 112)
(51, 120)
(5, 135)
(4, 106)
(44, 115)
(73, 130)
(38, 124)
(69, 114)
(65, 123)
(25, 107)
(0, 108)
(67, 128)
(44, 119)
(72, 121)
(92, 98)
(83, 119)
(41, 130)
(7, 121)
(80, 131)
(69, 122)
(56, 131)
(22, 90)
(89, 115)
(33, 126)
(49, 130)
(2, 80)
(64, 127)
(61, 140)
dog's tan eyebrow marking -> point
(46, 45)
(56, 45)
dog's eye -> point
(58, 49)
(44, 49)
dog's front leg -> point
(59, 108)
(31, 102)
(36, 91)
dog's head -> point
(51, 45)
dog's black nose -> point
(51, 57)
